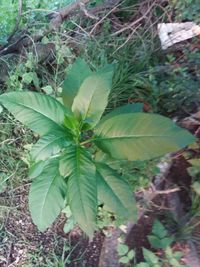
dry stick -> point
(131, 35)
(62, 13)
(128, 39)
(155, 23)
(168, 191)
(78, 26)
(130, 26)
(102, 19)
(86, 12)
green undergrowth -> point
(13, 140)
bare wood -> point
(60, 15)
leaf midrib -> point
(48, 144)
(113, 192)
(40, 113)
(46, 195)
(78, 172)
(130, 137)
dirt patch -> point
(22, 244)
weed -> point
(71, 126)
(187, 10)
(159, 237)
(125, 255)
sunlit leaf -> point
(50, 144)
(140, 136)
(78, 167)
(46, 196)
(92, 98)
(78, 72)
(41, 113)
(115, 192)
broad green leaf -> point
(149, 256)
(160, 243)
(115, 192)
(41, 113)
(142, 264)
(124, 260)
(77, 165)
(158, 229)
(131, 254)
(73, 125)
(140, 136)
(78, 72)
(50, 144)
(167, 241)
(196, 187)
(92, 98)
(122, 249)
(129, 108)
(36, 169)
(173, 262)
(46, 196)
(154, 241)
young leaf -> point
(158, 229)
(124, 260)
(167, 241)
(75, 77)
(50, 144)
(92, 98)
(41, 113)
(154, 241)
(46, 196)
(115, 192)
(76, 164)
(149, 256)
(140, 136)
(131, 254)
(122, 249)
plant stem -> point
(86, 141)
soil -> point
(20, 241)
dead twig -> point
(60, 15)
(168, 191)
(131, 25)
(87, 13)
(103, 18)
(128, 39)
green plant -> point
(194, 169)
(169, 258)
(125, 255)
(24, 74)
(159, 237)
(63, 168)
(151, 260)
(187, 10)
(14, 12)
